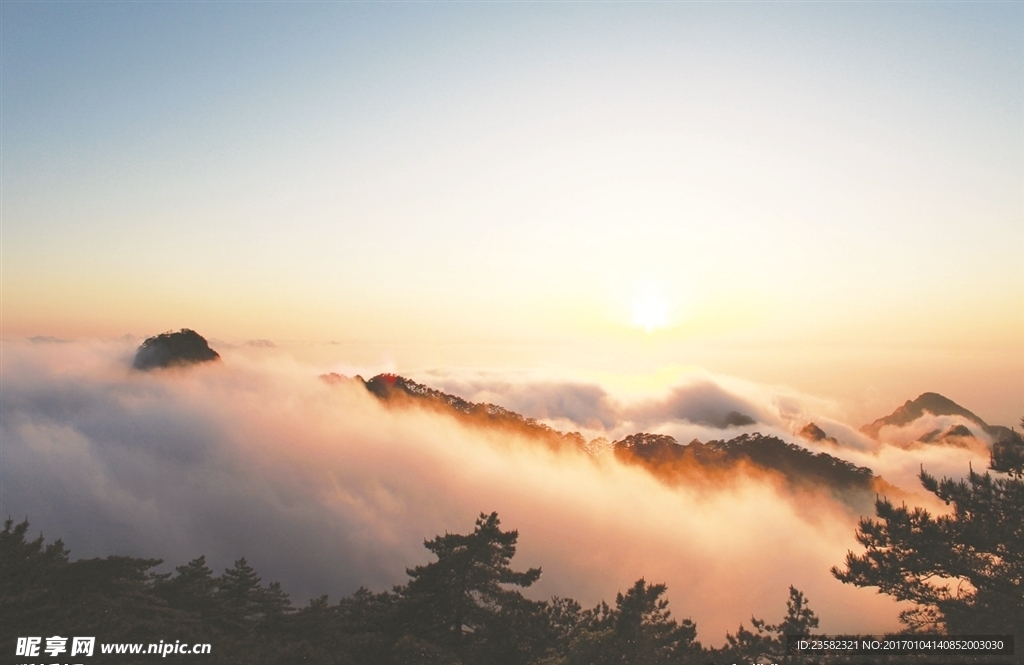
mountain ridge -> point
(672, 462)
(659, 454)
(937, 405)
(664, 456)
(393, 388)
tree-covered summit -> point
(169, 349)
(669, 459)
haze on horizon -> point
(813, 210)
(823, 195)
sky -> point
(822, 195)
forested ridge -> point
(660, 454)
(664, 456)
(398, 390)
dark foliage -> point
(394, 389)
(28, 575)
(185, 347)
(769, 642)
(800, 466)
(964, 571)
(1008, 454)
(460, 602)
(39, 586)
(460, 609)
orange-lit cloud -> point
(325, 488)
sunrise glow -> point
(650, 313)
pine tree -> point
(238, 590)
(1008, 454)
(769, 642)
(639, 630)
(460, 602)
(28, 572)
(247, 602)
(800, 619)
(644, 630)
(964, 571)
(192, 589)
(41, 590)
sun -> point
(650, 312)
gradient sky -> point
(827, 195)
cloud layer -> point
(324, 488)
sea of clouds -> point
(325, 488)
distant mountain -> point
(812, 432)
(393, 388)
(185, 347)
(937, 405)
(664, 456)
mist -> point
(325, 488)
(698, 405)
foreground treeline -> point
(465, 607)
